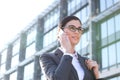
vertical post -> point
(9, 57)
(22, 50)
(63, 9)
(39, 35)
(8, 61)
(37, 69)
(94, 10)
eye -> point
(71, 27)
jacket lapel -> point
(58, 53)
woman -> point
(65, 63)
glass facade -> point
(3, 58)
(50, 27)
(101, 38)
(109, 42)
(28, 71)
(105, 4)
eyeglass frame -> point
(74, 29)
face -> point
(74, 31)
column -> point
(39, 34)
(20, 69)
(63, 9)
(37, 69)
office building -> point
(19, 60)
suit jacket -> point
(59, 67)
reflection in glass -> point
(112, 55)
(103, 30)
(111, 26)
(13, 76)
(117, 22)
(118, 52)
(15, 60)
(104, 58)
(28, 71)
(30, 50)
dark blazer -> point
(59, 67)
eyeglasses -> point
(74, 29)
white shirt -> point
(76, 64)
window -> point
(111, 25)
(51, 19)
(28, 71)
(2, 69)
(13, 76)
(15, 60)
(15, 54)
(16, 47)
(105, 4)
(112, 55)
(103, 30)
(31, 37)
(118, 52)
(3, 57)
(110, 43)
(102, 5)
(83, 45)
(50, 37)
(117, 22)
(104, 58)
(30, 50)
(74, 5)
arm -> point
(55, 71)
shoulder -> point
(47, 55)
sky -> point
(15, 15)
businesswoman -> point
(65, 63)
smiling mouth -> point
(75, 38)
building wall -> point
(100, 41)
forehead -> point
(74, 22)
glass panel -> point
(31, 37)
(2, 69)
(30, 50)
(28, 71)
(50, 37)
(117, 22)
(54, 33)
(118, 52)
(16, 48)
(15, 60)
(115, 1)
(77, 47)
(45, 40)
(112, 55)
(77, 14)
(13, 76)
(102, 5)
(103, 30)
(46, 24)
(3, 56)
(111, 27)
(84, 40)
(104, 58)
(43, 77)
(84, 15)
(109, 3)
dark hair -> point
(67, 19)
